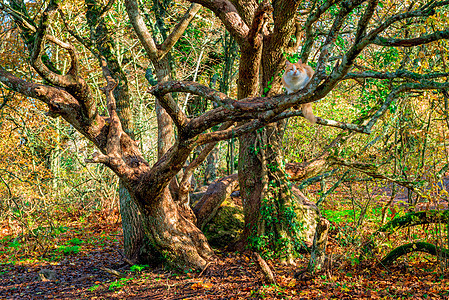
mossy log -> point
(410, 219)
(413, 247)
(415, 218)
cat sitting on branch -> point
(295, 78)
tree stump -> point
(318, 254)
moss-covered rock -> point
(226, 226)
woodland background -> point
(58, 212)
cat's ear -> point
(287, 63)
(300, 61)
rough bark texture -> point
(216, 193)
(307, 216)
(179, 241)
(265, 191)
(133, 233)
(252, 181)
(318, 254)
(265, 268)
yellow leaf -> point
(202, 285)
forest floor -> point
(80, 268)
(77, 260)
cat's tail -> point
(308, 113)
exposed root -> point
(265, 268)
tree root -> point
(265, 268)
(413, 247)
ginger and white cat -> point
(296, 77)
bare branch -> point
(364, 20)
(403, 74)
(261, 111)
(62, 103)
(348, 59)
(115, 127)
(184, 184)
(86, 42)
(106, 8)
(423, 85)
(194, 88)
(425, 39)
(26, 24)
(371, 170)
(179, 29)
(312, 18)
(346, 8)
(270, 117)
(36, 52)
(141, 29)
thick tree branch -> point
(141, 29)
(284, 13)
(40, 37)
(115, 127)
(261, 111)
(346, 8)
(194, 88)
(262, 121)
(229, 16)
(184, 184)
(260, 18)
(414, 247)
(38, 48)
(348, 59)
(423, 85)
(311, 19)
(399, 74)
(179, 30)
(425, 39)
(85, 42)
(60, 102)
(157, 55)
(364, 20)
(266, 110)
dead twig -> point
(113, 272)
(204, 269)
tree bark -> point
(216, 193)
(179, 241)
(133, 233)
(318, 255)
(268, 203)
